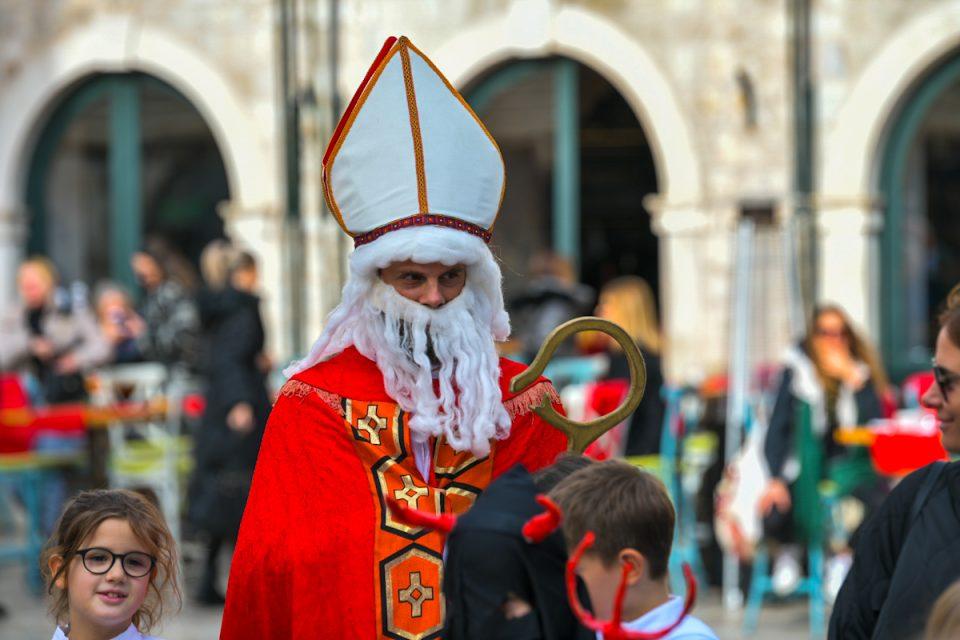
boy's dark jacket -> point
(901, 567)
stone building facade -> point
(708, 82)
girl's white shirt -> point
(130, 634)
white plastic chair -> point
(146, 453)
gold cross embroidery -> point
(416, 594)
(372, 424)
(410, 493)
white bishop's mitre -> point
(411, 161)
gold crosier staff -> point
(581, 434)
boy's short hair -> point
(625, 507)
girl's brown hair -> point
(80, 519)
(859, 349)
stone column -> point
(13, 236)
(848, 232)
(326, 247)
(695, 265)
(261, 231)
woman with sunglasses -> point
(833, 378)
(909, 552)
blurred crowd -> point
(828, 443)
(208, 329)
(207, 333)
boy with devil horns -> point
(507, 565)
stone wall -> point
(709, 80)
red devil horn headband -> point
(542, 525)
(534, 531)
(613, 629)
(442, 522)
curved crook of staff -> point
(581, 434)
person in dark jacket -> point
(228, 440)
(497, 584)
(167, 309)
(628, 301)
(835, 373)
(909, 552)
(552, 296)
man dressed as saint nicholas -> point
(403, 397)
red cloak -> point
(319, 555)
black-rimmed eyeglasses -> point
(945, 378)
(98, 561)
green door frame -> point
(47, 144)
(565, 212)
(125, 178)
(901, 360)
(125, 163)
(566, 161)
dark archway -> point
(578, 168)
(920, 185)
(121, 157)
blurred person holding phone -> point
(48, 339)
(119, 323)
(836, 373)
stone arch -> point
(850, 167)
(124, 44)
(588, 38)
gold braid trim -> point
(300, 390)
(415, 129)
(295, 389)
(332, 400)
(527, 401)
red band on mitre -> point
(422, 220)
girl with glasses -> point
(110, 566)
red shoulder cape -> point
(304, 564)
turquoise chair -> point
(27, 474)
(819, 506)
(680, 466)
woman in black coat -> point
(228, 440)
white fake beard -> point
(400, 335)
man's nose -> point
(931, 397)
(432, 297)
